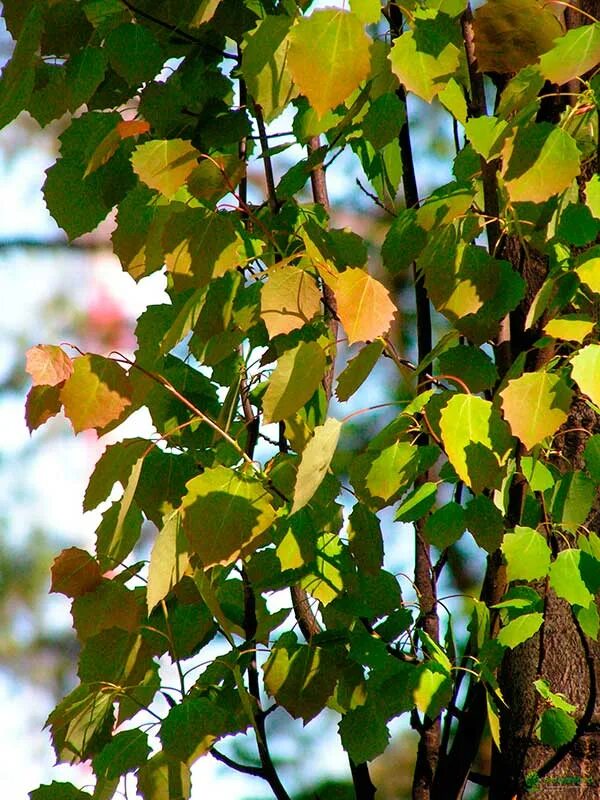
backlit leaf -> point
(364, 305)
(48, 365)
(191, 727)
(225, 515)
(535, 406)
(589, 269)
(97, 393)
(125, 752)
(358, 369)
(572, 328)
(365, 540)
(43, 402)
(572, 54)
(328, 57)
(16, 83)
(296, 378)
(315, 461)
(164, 778)
(586, 371)
(288, 300)
(165, 165)
(527, 554)
(539, 161)
(520, 629)
(566, 578)
(168, 561)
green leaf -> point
(168, 561)
(404, 241)
(445, 526)
(43, 403)
(191, 727)
(119, 531)
(124, 753)
(58, 791)
(556, 727)
(315, 461)
(76, 202)
(557, 700)
(485, 522)
(434, 689)
(476, 440)
(539, 160)
(17, 79)
(572, 54)
(85, 72)
(96, 394)
(137, 238)
(365, 539)
(380, 475)
(572, 500)
(577, 225)
(527, 554)
(591, 455)
(486, 135)
(165, 164)
(566, 578)
(358, 370)
(328, 57)
(470, 365)
(265, 65)
(114, 465)
(510, 34)
(134, 53)
(288, 300)
(296, 378)
(225, 515)
(417, 503)
(368, 11)
(520, 629)
(535, 406)
(352, 728)
(425, 58)
(300, 677)
(81, 723)
(586, 371)
(364, 305)
(383, 120)
(164, 778)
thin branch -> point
(258, 772)
(264, 143)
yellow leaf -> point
(364, 305)
(289, 299)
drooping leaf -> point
(191, 727)
(352, 729)
(417, 503)
(75, 572)
(476, 440)
(134, 53)
(127, 751)
(165, 165)
(445, 526)
(485, 522)
(328, 57)
(288, 300)
(164, 778)
(572, 500)
(364, 305)
(168, 561)
(358, 369)
(84, 73)
(215, 177)
(58, 790)
(556, 727)
(265, 65)
(566, 578)
(470, 365)
(315, 462)
(18, 77)
(294, 381)
(535, 406)
(571, 327)
(115, 464)
(43, 402)
(379, 476)
(225, 515)
(586, 371)
(527, 554)
(591, 455)
(365, 539)
(48, 365)
(97, 393)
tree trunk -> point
(560, 653)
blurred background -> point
(51, 292)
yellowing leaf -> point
(424, 68)
(535, 406)
(168, 561)
(368, 11)
(165, 164)
(225, 515)
(289, 299)
(328, 57)
(364, 305)
(572, 328)
(48, 365)
(43, 402)
(97, 393)
(572, 54)
(589, 273)
(476, 440)
(586, 371)
(510, 34)
(358, 369)
(206, 11)
(315, 462)
(294, 381)
(539, 160)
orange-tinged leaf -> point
(97, 393)
(132, 127)
(75, 572)
(364, 305)
(288, 300)
(165, 164)
(535, 406)
(48, 365)
(329, 57)
(43, 402)
(586, 371)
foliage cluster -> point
(244, 479)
